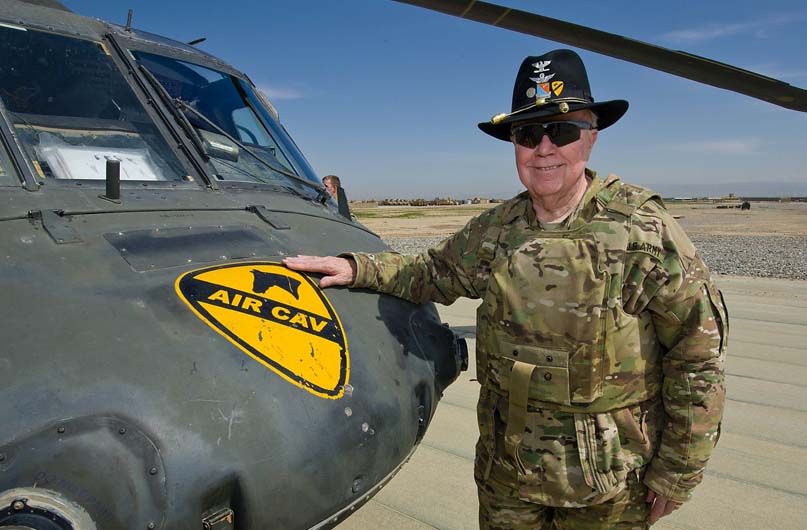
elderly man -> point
(600, 336)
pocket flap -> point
(535, 355)
(549, 381)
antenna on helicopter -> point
(112, 181)
(129, 21)
(194, 42)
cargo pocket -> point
(559, 467)
(601, 458)
(638, 432)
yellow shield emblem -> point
(277, 316)
(557, 87)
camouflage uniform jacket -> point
(607, 313)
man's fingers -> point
(657, 511)
(661, 507)
(335, 271)
(322, 265)
(306, 263)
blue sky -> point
(388, 95)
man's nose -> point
(545, 146)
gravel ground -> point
(759, 256)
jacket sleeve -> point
(667, 277)
(457, 267)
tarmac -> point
(756, 479)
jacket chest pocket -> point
(548, 309)
(555, 287)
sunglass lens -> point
(528, 136)
(560, 133)
(563, 133)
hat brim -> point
(608, 113)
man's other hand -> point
(336, 271)
(660, 506)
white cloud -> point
(758, 28)
(278, 93)
(705, 33)
(731, 146)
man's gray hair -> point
(592, 117)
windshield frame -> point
(17, 158)
(131, 44)
(276, 128)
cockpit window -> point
(72, 110)
(221, 107)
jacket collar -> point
(520, 206)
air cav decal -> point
(277, 316)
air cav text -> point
(266, 308)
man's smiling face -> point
(550, 172)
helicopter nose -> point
(451, 355)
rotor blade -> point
(679, 63)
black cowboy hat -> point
(550, 85)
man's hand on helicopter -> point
(335, 271)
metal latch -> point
(221, 520)
(262, 212)
(57, 226)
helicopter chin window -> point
(65, 161)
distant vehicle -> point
(161, 369)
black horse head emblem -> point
(264, 280)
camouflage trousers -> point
(500, 508)
(565, 471)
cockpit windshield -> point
(72, 110)
(220, 108)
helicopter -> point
(176, 374)
(161, 368)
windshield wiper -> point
(175, 104)
(197, 163)
(187, 106)
(180, 117)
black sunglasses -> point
(560, 132)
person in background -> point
(332, 184)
